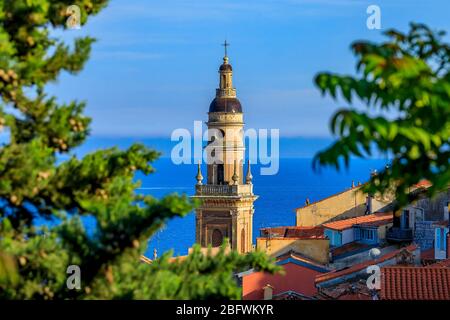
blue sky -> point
(154, 67)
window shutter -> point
(357, 234)
(437, 238)
(444, 235)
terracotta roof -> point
(376, 219)
(415, 283)
(294, 232)
(301, 258)
(360, 266)
(349, 247)
(356, 290)
(295, 258)
(427, 254)
(423, 184)
(440, 264)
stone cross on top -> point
(226, 44)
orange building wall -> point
(296, 278)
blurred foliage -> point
(407, 77)
(36, 186)
(8, 270)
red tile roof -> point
(440, 264)
(358, 267)
(427, 254)
(348, 247)
(415, 283)
(423, 184)
(294, 232)
(299, 257)
(375, 219)
(356, 290)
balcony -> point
(224, 190)
(399, 235)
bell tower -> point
(226, 209)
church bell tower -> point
(226, 209)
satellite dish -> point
(374, 253)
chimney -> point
(268, 292)
(446, 209)
(368, 204)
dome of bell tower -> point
(225, 100)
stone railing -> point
(226, 92)
(224, 190)
(225, 117)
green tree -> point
(34, 184)
(408, 78)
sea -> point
(279, 194)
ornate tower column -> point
(226, 209)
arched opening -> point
(242, 240)
(217, 238)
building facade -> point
(343, 205)
(307, 241)
(226, 209)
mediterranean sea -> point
(279, 194)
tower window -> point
(243, 241)
(217, 238)
(220, 174)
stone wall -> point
(424, 234)
(434, 208)
(347, 204)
